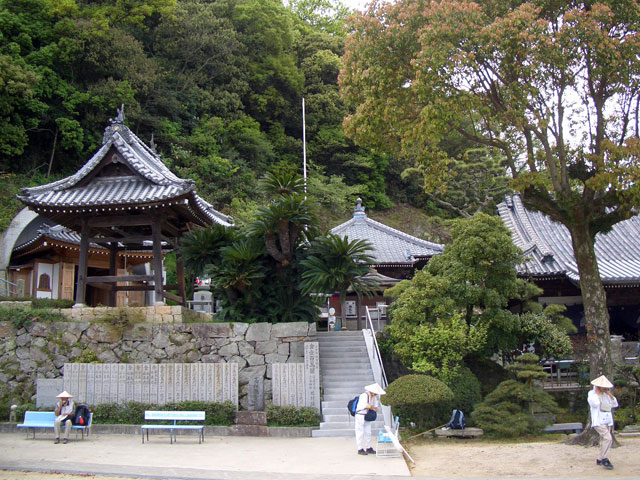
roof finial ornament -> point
(358, 212)
(120, 116)
(152, 144)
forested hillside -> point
(215, 85)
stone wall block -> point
(240, 328)
(99, 332)
(295, 360)
(245, 348)
(275, 358)
(296, 349)
(311, 332)
(259, 332)
(168, 318)
(283, 349)
(22, 340)
(255, 359)
(22, 353)
(242, 363)
(264, 348)
(162, 310)
(212, 358)
(6, 330)
(39, 330)
(229, 350)
(160, 340)
(39, 342)
(139, 331)
(290, 329)
(250, 372)
(159, 354)
(108, 357)
(193, 356)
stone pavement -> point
(228, 458)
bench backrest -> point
(39, 417)
(175, 415)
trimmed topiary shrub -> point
(466, 389)
(421, 399)
(509, 410)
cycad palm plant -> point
(335, 264)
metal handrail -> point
(6, 291)
(377, 349)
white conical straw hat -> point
(64, 394)
(602, 381)
(375, 388)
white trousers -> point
(56, 427)
(363, 433)
(606, 440)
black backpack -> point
(352, 406)
(457, 420)
(82, 416)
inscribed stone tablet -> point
(300, 384)
(73, 380)
(91, 381)
(137, 382)
(145, 383)
(97, 384)
(66, 377)
(210, 374)
(162, 384)
(82, 383)
(195, 382)
(186, 382)
(129, 395)
(170, 386)
(276, 381)
(218, 381)
(177, 382)
(122, 383)
(106, 383)
(255, 394)
(202, 382)
(46, 391)
(312, 374)
(233, 384)
(153, 384)
(113, 389)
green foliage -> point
(132, 413)
(551, 340)
(509, 410)
(489, 373)
(465, 387)
(51, 303)
(421, 399)
(289, 416)
(23, 317)
(88, 356)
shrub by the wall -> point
(421, 399)
(132, 413)
(289, 416)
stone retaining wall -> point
(40, 350)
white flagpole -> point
(304, 150)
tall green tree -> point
(553, 87)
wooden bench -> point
(35, 420)
(575, 427)
(175, 417)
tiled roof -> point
(390, 246)
(53, 232)
(549, 253)
(153, 182)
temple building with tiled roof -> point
(550, 263)
(124, 199)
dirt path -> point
(457, 457)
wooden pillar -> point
(182, 291)
(113, 271)
(82, 262)
(157, 258)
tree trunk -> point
(594, 302)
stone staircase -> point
(345, 370)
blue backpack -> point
(457, 420)
(352, 406)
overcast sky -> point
(356, 4)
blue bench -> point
(175, 417)
(35, 420)
(564, 427)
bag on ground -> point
(352, 406)
(82, 415)
(457, 420)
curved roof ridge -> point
(406, 236)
